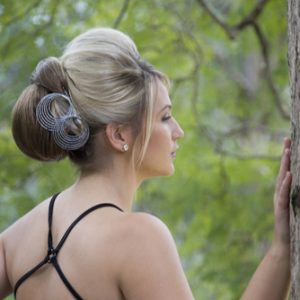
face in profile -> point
(161, 151)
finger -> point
(284, 167)
(284, 192)
(287, 142)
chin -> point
(166, 172)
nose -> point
(178, 132)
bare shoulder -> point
(145, 226)
(144, 235)
(32, 217)
(149, 262)
(5, 286)
(141, 235)
(12, 241)
(15, 238)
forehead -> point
(162, 98)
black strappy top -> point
(51, 257)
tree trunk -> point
(294, 66)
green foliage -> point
(219, 203)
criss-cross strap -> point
(46, 259)
(51, 257)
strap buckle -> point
(51, 255)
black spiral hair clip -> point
(69, 131)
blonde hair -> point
(108, 82)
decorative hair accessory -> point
(69, 131)
(125, 147)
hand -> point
(281, 199)
(271, 280)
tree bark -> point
(294, 69)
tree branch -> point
(265, 54)
(216, 138)
(250, 20)
(121, 15)
(253, 15)
(25, 13)
(22, 38)
(217, 19)
(239, 156)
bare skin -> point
(272, 278)
(114, 255)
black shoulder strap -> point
(52, 253)
(45, 260)
(84, 214)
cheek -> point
(160, 136)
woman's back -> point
(108, 255)
(88, 258)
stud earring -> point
(125, 147)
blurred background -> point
(227, 61)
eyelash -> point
(166, 118)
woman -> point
(110, 113)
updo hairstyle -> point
(107, 82)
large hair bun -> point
(34, 140)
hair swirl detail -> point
(69, 131)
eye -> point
(166, 117)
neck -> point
(112, 186)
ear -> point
(118, 136)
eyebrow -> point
(165, 107)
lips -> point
(173, 153)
